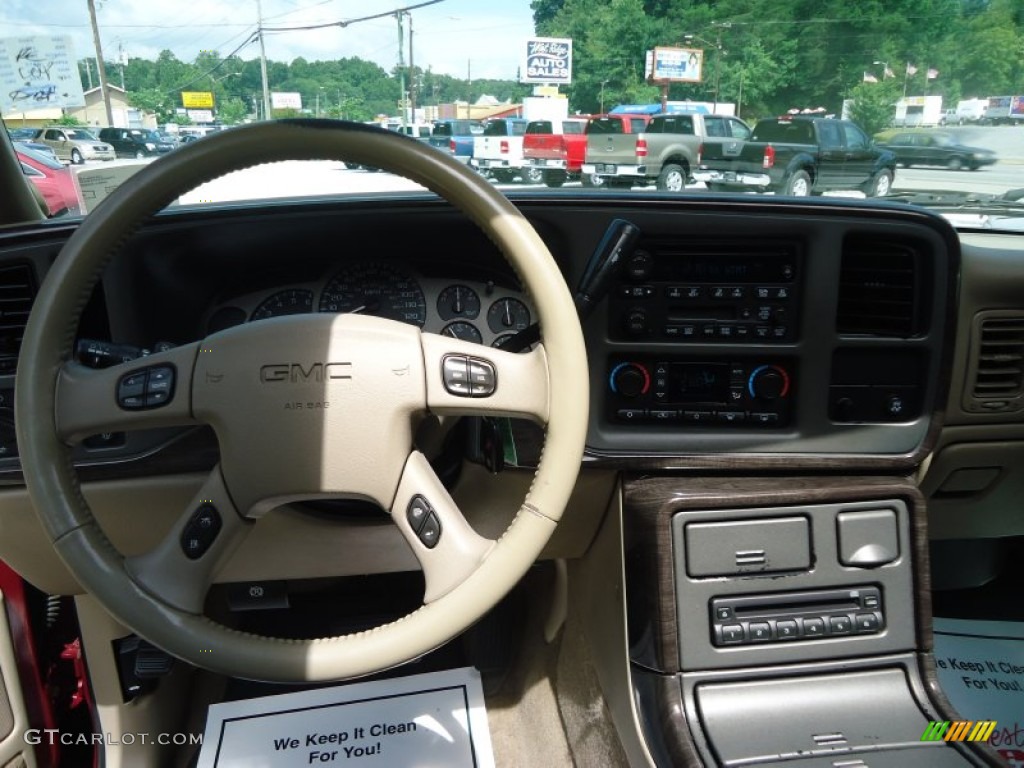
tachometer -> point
(294, 301)
(375, 289)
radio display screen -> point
(727, 269)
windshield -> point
(79, 134)
(884, 78)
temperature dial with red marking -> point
(768, 382)
(630, 380)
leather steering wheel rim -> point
(46, 380)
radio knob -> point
(640, 266)
(630, 380)
(637, 323)
(768, 382)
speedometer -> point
(375, 289)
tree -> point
(873, 105)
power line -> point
(347, 22)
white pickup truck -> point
(498, 152)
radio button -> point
(814, 628)
(742, 332)
(763, 292)
(840, 625)
(762, 331)
(867, 622)
(723, 613)
(760, 632)
(737, 292)
(708, 330)
(719, 292)
(780, 331)
(731, 634)
(764, 419)
(725, 331)
(786, 630)
(781, 293)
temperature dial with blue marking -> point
(630, 380)
(768, 382)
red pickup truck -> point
(553, 151)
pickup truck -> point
(498, 152)
(798, 156)
(664, 154)
(555, 150)
(456, 137)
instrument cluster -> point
(472, 310)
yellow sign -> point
(197, 100)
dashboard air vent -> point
(17, 290)
(998, 364)
(878, 290)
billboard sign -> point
(677, 65)
(38, 72)
(197, 100)
(200, 115)
(285, 100)
(548, 60)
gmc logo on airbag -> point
(296, 373)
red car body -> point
(53, 180)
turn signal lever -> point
(618, 242)
(493, 436)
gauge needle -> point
(357, 309)
(458, 301)
(508, 314)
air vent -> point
(878, 291)
(17, 290)
(997, 365)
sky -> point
(482, 38)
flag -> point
(911, 69)
(932, 74)
(869, 78)
(888, 72)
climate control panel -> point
(707, 393)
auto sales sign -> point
(548, 60)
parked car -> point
(665, 154)
(24, 137)
(456, 137)
(51, 177)
(800, 156)
(937, 148)
(498, 151)
(76, 145)
(135, 142)
(555, 149)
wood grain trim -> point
(650, 503)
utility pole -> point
(263, 62)
(100, 68)
(401, 69)
(412, 75)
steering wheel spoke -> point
(448, 549)
(465, 378)
(153, 391)
(179, 570)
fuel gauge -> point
(458, 301)
(508, 315)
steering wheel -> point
(362, 384)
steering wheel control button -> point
(200, 531)
(423, 521)
(131, 390)
(417, 513)
(149, 388)
(430, 533)
(455, 372)
(482, 378)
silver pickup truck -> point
(665, 154)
